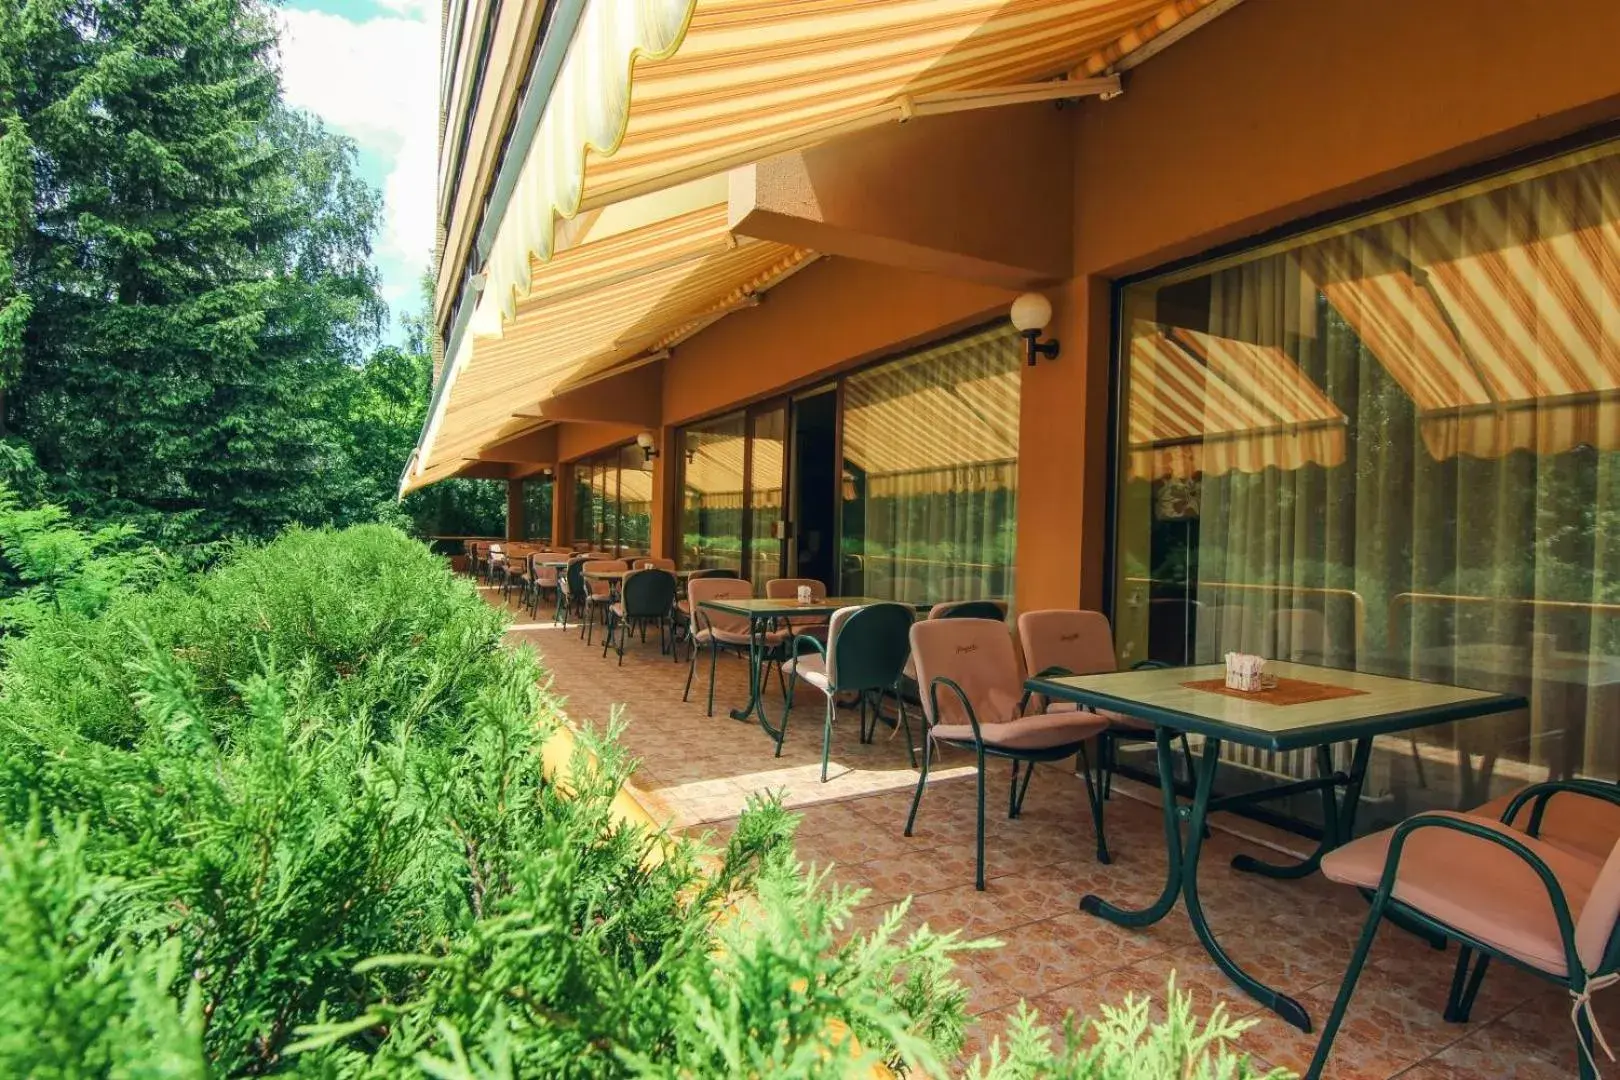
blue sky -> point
(369, 69)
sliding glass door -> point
(613, 501)
(767, 479)
(914, 461)
(713, 478)
(930, 476)
(731, 493)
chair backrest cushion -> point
(969, 609)
(714, 572)
(978, 655)
(1077, 641)
(717, 588)
(787, 588)
(1596, 939)
(647, 594)
(598, 566)
(868, 646)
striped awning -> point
(1200, 404)
(1497, 312)
(654, 102)
(632, 286)
(654, 93)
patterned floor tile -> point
(702, 770)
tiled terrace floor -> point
(1296, 935)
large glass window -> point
(767, 441)
(1394, 445)
(613, 501)
(537, 508)
(930, 483)
(712, 484)
(635, 501)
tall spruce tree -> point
(187, 280)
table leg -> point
(756, 681)
(1275, 1000)
(1338, 817)
(1096, 905)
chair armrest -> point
(1537, 796)
(808, 640)
(1053, 672)
(961, 695)
(1481, 831)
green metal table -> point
(764, 614)
(1379, 705)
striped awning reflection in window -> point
(1201, 404)
(1497, 312)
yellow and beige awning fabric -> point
(943, 419)
(605, 301)
(662, 96)
(1201, 404)
(1497, 313)
(657, 92)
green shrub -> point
(288, 816)
(1124, 1044)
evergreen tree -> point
(188, 267)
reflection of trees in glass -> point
(537, 508)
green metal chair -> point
(865, 653)
(1501, 894)
(716, 631)
(982, 712)
(645, 596)
(1068, 641)
(681, 615)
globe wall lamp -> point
(648, 444)
(1030, 314)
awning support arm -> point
(943, 102)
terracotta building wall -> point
(1273, 112)
(836, 313)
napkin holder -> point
(1246, 672)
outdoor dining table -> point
(1310, 708)
(761, 615)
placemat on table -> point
(1286, 692)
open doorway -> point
(814, 473)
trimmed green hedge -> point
(288, 816)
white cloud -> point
(375, 80)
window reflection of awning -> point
(635, 486)
(1498, 314)
(933, 426)
(714, 475)
(1206, 404)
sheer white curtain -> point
(1471, 530)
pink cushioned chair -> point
(972, 696)
(597, 594)
(717, 630)
(787, 588)
(1501, 893)
(1065, 641)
